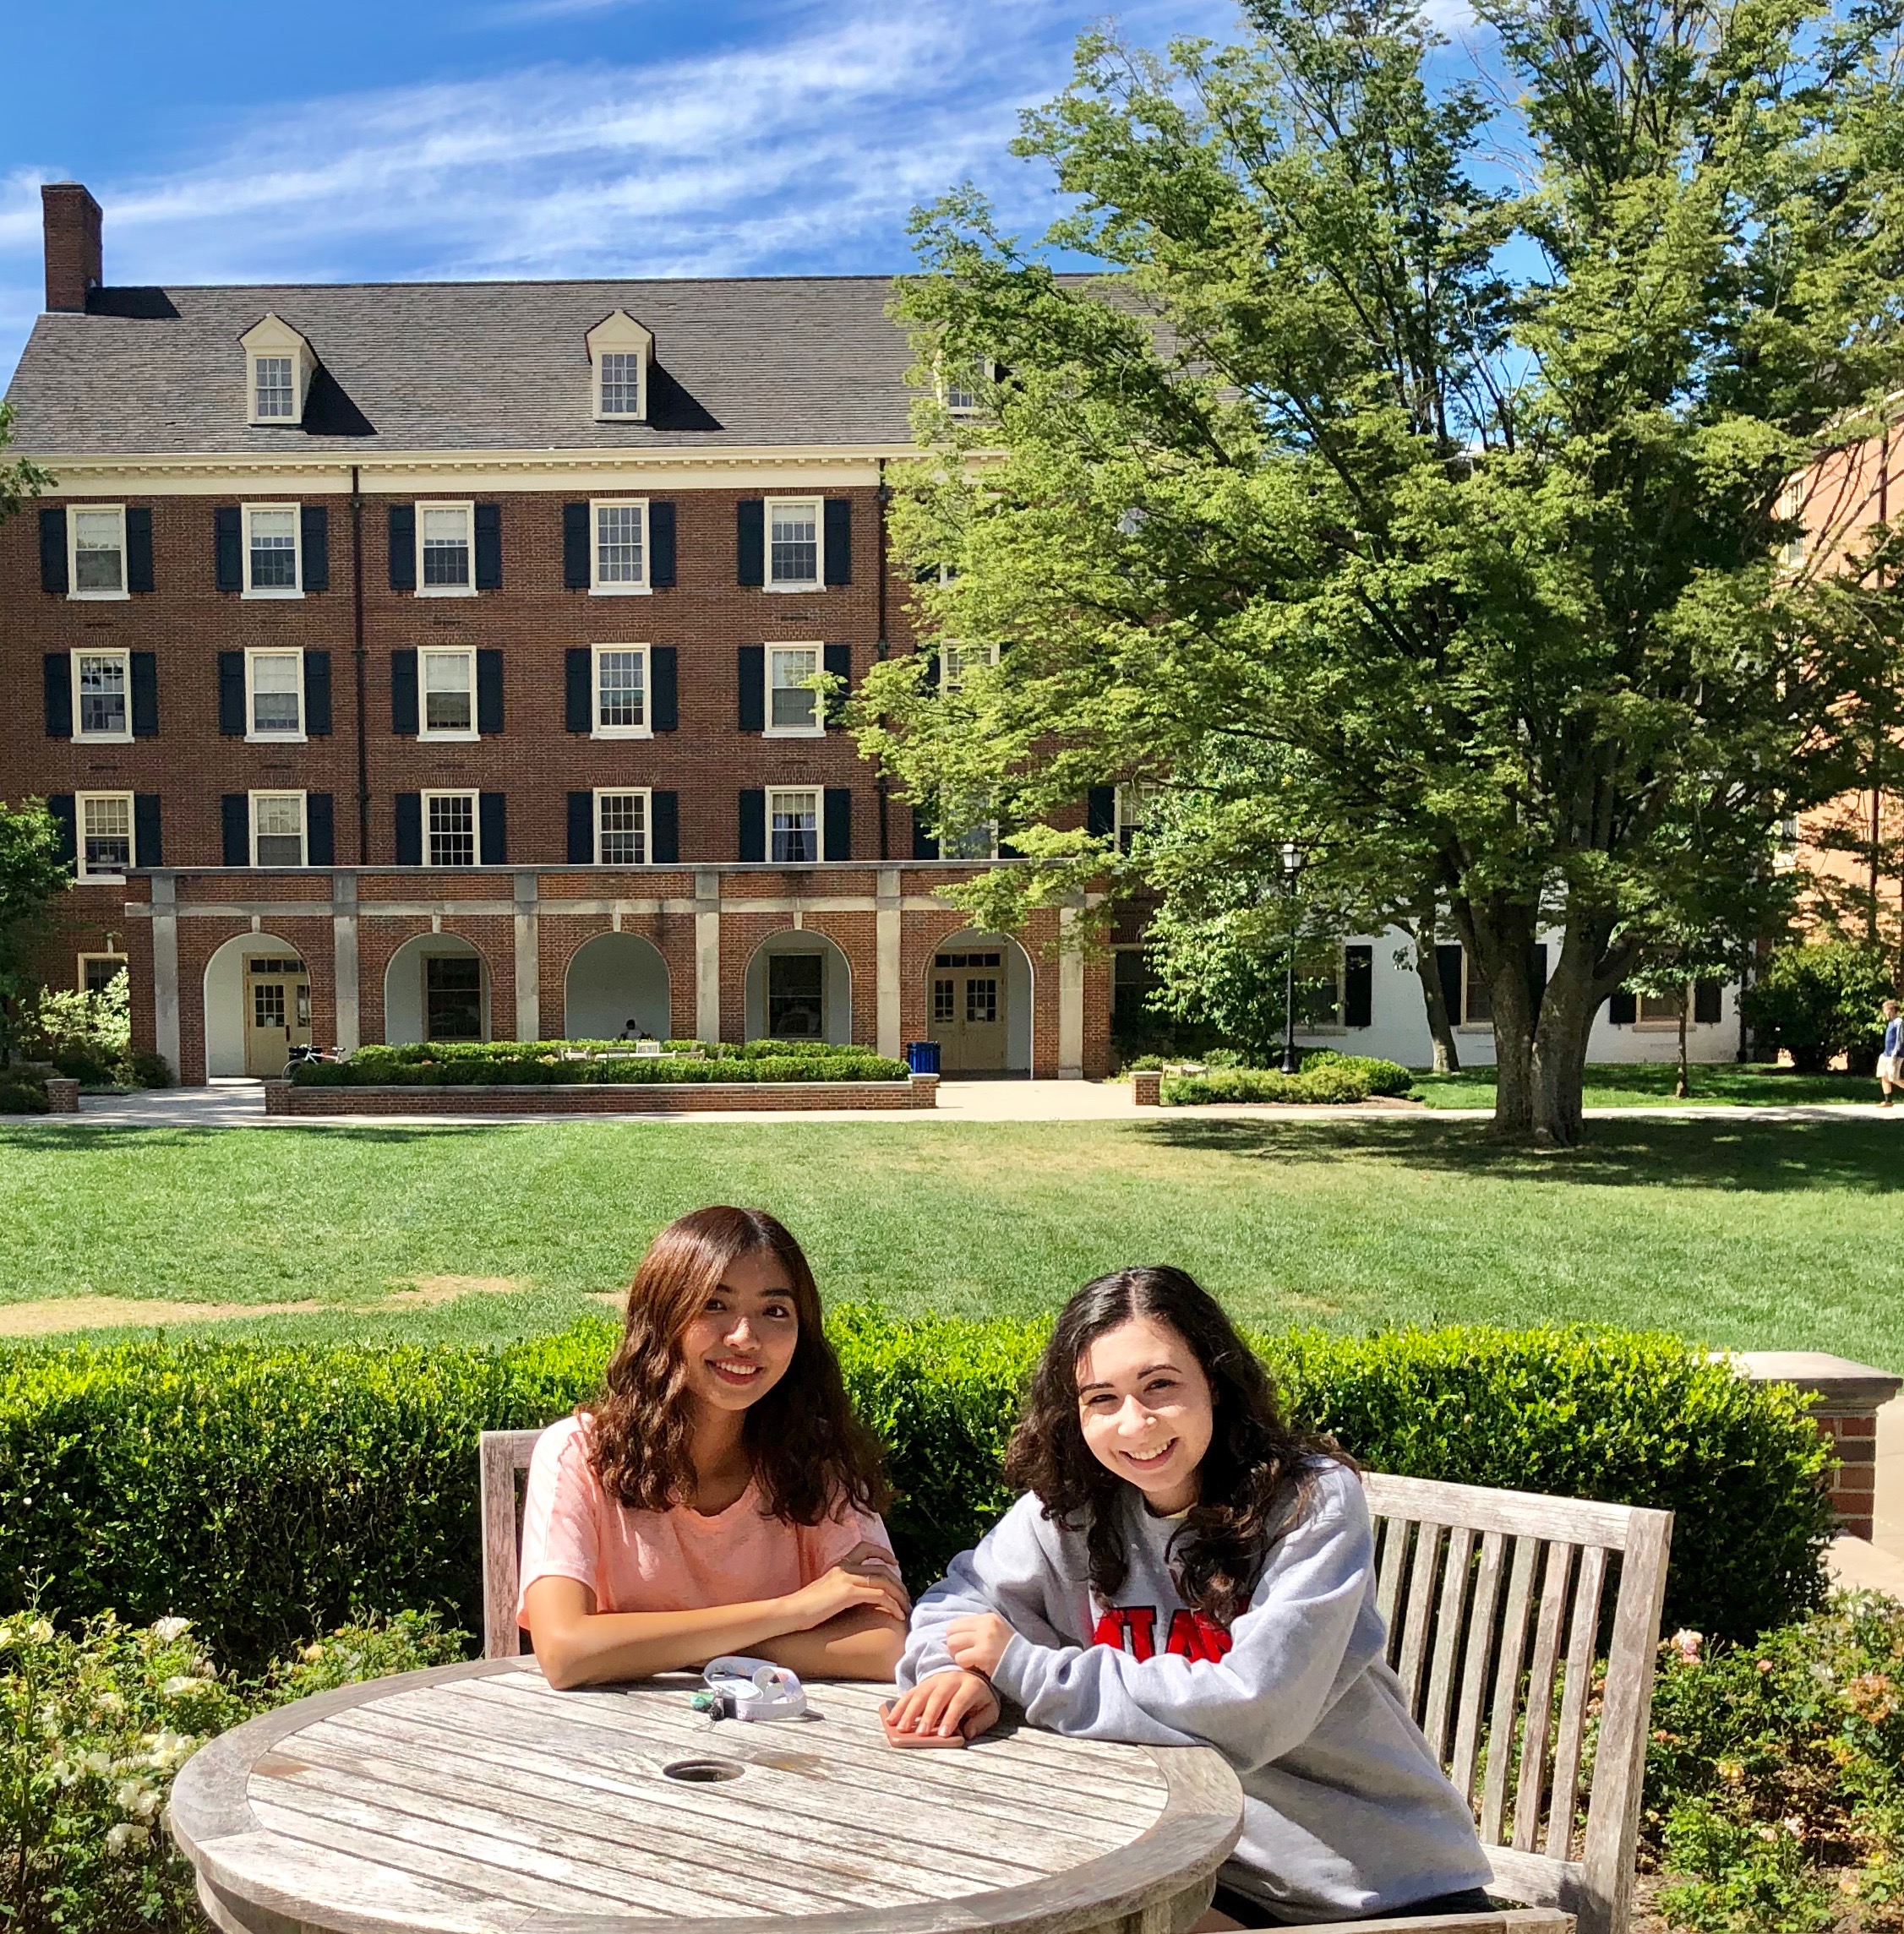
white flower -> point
(127, 1836)
(135, 1797)
(166, 1630)
(108, 1705)
(41, 1631)
(178, 1685)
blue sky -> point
(440, 139)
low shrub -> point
(22, 1093)
(1326, 1077)
(1819, 998)
(148, 1070)
(483, 1064)
(270, 1492)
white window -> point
(621, 828)
(447, 700)
(103, 825)
(450, 829)
(274, 694)
(279, 365)
(277, 829)
(793, 543)
(618, 349)
(619, 559)
(955, 661)
(103, 695)
(958, 384)
(793, 826)
(445, 550)
(274, 388)
(621, 384)
(1133, 805)
(621, 692)
(98, 971)
(273, 565)
(978, 841)
(96, 563)
(792, 706)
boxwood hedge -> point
(485, 1064)
(270, 1494)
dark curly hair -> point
(809, 1452)
(1256, 1468)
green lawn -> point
(1739, 1232)
(1616, 1084)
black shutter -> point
(664, 711)
(57, 668)
(138, 548)
(403, 693)
(664, 829)
(575, 549)
(935, 665)
(148, 840)
(661, 545)
(488, 693)
(317, 694)
(1358, 987)
(581, 829)
(837, 661)
(52, 550)
(403, 546)
(315, 529)
(753, 824)
(1448, 965)
(838, 524)
(750, 524)
(924, 845)
(1100, 811)
(1007, 851)
(64, 817)
(409, 828)
(321, 836)
(751, 662)
(227, 547)
(1623, 1007)
(493, 820)
(145, 695)
(837, 835)
(581, 672)
(230, 693)
(237, 817)
(1706, 1003)
(488, 547)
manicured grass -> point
(1615, 1084)
(1742, 1233)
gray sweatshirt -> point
(1345, 1812)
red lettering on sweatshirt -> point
(1134, 1629)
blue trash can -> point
(922, 1057)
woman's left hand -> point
(977, 1643)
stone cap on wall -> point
(1836, 1382)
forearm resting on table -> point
(855, 1645)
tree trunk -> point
(1502, 947)
(1427, 967)
(1560, 1044)
(1683, 1086)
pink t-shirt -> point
(666, 1560)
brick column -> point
(1849, 1397)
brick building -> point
(430, 661)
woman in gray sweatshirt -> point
(1184, 1570)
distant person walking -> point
(1890, 1062)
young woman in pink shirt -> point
(720, 1496)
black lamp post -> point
(1294, 858)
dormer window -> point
(277, 388)
(279, 365)
(619, 352)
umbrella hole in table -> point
(702, 1772)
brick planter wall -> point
(604, 1097)
(1849, 1397)
(1146, 1088)
(63, 1095)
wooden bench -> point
(1498, 1604)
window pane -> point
(274, 396)
(448, 705)
(942, 1005)
(105, 833)
(618, 543)
(102, 970)
(445, 547)
(621, 384)
(453, 998)
(975, 842)
(452, 828)
(273, 550)
(620, 700)
(280, 819)
(796, 827)
(795, 996)
(276, 693)
(981, 1001)
(624, 827)
(98, 555)
(794, 544)
(794, 704)
(102, 693)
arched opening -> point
(978, 1004)
(436, 989)
(257, 1007)
(800, 988)
(616, 985)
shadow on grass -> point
(79, 1138)
(1757, 1156)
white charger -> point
(755, 1689)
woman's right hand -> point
(866, 1577)
(947, 1703)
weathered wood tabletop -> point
(474, 1799)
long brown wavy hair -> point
(1254, 1473)
(808, 1450)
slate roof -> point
(430, 366)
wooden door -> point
(970, 1013)
(277, 1014)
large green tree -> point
(1433, 455)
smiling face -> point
(739, 1345)
(1144, 1406)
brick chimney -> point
(75, 261)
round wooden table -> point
(475, 1800)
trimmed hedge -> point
(486, 1064)
(1326, 1077)
(270, 1494)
